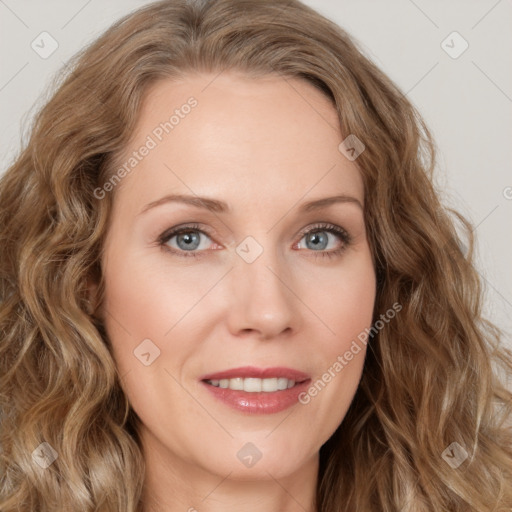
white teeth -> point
(237, 384)
(253, 385)
(282, 383)
(269, 384)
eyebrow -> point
(218, 206)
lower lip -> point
(258, 403)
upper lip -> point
(258, 373)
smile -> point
(257, 390)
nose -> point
(263, 301)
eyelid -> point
(176, 230)
(324, 226)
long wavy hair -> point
(431, 376)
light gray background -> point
(466, 101)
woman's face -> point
(244, 285)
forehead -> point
(230, 134)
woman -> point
(227, 281)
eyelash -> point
(164, 238)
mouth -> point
(254, 385)
(255, 390)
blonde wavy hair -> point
(431, 376)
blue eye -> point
(317, 237)
(188, 240)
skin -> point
(264, 146)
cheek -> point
(135, 307)
(146, 299)
(143, 295)
(346, 310)
(344, 301)
(141, 305)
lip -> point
(258, 373)
(262, 402)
